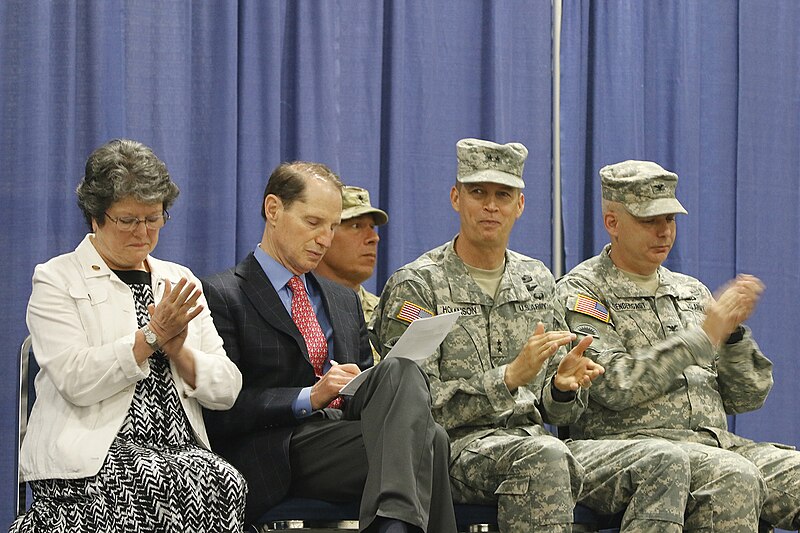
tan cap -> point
(355, 202)
(643, 187)
(482, 161)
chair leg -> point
(481, 528)
(764, 527)
(301, 526)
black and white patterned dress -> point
(155, 478)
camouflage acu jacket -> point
(470, 398)
(663, 377)
(368, 303)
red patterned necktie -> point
(306, 321)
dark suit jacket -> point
(265, 344)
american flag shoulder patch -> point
(409, 312)
(590, 306)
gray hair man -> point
(677, 360)
(491, 384)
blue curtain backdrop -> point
(710, 90)
(224, 91)
(381, 91)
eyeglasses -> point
(131, 223)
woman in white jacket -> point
(128, 355)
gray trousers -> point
(386, 450)
(536, 481)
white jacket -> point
(82, 321)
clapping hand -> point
(575, 370)
(736, 302)
(540, 347)
(176, 309)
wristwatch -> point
(736, 336)
(150, 338)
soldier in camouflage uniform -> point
(677, 361)
(490, 385)
(350, 260)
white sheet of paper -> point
(417, 342)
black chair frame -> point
(27, 394)
(310, 515)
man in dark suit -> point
(289, 431)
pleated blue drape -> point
(224, 91)
(710, 90)
(381, 91)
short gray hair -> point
(119, 169)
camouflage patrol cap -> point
(355, 202)
(482, 161)
(643, 187)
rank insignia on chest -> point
(409, 312)
(591, 307)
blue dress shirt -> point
(279, 276)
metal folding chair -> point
(317, 516)
(27, 394)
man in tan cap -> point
(350, 260)
(491, 385)
(677, 360)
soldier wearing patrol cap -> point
(350, 260)
(677, 361)
(491, 385)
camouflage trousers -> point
(780, 468)
(729, 487)
(536, 481)
(648, 479)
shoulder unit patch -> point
(587, 330)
